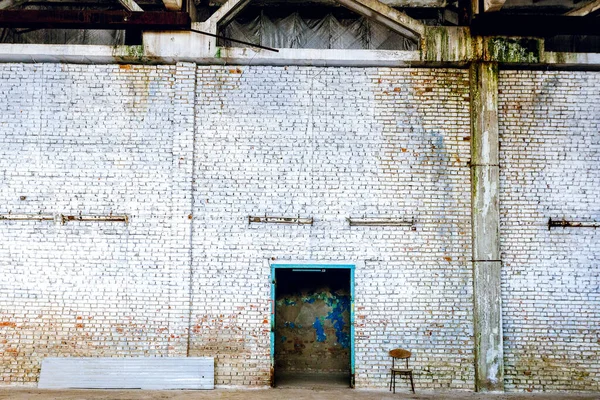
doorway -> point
(312, 325)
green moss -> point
(514, 50)
(127, 53)
(218, 53)
(560, 58)
(436, 43)
(135, 51)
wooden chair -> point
(400, 354)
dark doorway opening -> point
(312, 329)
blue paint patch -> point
(318, 325)
(290, 324)
(309, 300)
(283, 339)
(339, 306)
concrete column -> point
(489, 366)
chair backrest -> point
(400, 354)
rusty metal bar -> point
(64, 218)
(280, 220)
(562, 223)
(366, 221)
(26, 217)
(95, 218)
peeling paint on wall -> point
(313, 331)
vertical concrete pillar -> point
(485, 215)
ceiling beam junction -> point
(492, 5)
(6, 4)
(130, 5)
(173, 5)
(387, 16)
(227, 12)
(585, 10)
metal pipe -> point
(280, 220)
(379, 222)
(27, 217)
(65, 218)
(562, 223)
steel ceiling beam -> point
(10, 4)
(387, 16)
(533, 25)
(93, 19)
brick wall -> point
(94, 140)
(332, 143)
(327, 143)
(550, 152)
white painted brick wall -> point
(323, 142)
(95, 140)
(331, 143)
(550, 153)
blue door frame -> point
(350, 267)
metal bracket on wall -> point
(368, 221)
(95, 218)
(562, 223)
(27, 217)
(65, 218)
(280, 220)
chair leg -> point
(394, 384)
(412, 384)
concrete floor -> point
(278, 394)
(295, 380)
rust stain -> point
(235, 71)
(125, 66)
(11, 352)
(79, 326)
(448, 258)
(8, 324)
(403, 150)
(397, 89)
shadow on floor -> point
(305, 380)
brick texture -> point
(332, 143)
(189, 153)
(549, 124)
(94, 140)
